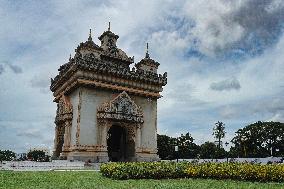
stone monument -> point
(106, 111)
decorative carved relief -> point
(64, 110)
(62, 120)
(121, 108)
(78, 118)
(130, 132)
(67, 136)
(107, 67)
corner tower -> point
(147, 64)
(105, 110)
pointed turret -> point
(108, 39)
(87, 47)
(147, 51)
(90, 36)
(147, 64)
(111, 51)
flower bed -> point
(162, 170)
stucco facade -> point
(106, 111)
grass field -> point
(78, 179)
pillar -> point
(138, 136)
(55, 152)
(105, 127)
(67, 135)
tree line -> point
(260, 139)
(34, 155)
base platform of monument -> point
(103, 157)
(93, 157)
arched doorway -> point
(120, 121)
(116, 143)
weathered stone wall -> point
(74, 98)
(91, 100)
(149, 127)
(90, 133)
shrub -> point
(144, 170)
(162, 170)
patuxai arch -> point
(106, 110)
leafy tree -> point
(37, 155)
(1, 157)
(7, 155)
(187, 149)
(234, 152)
(209, 150)
(260, 139)
(219, 132)
(165, 146)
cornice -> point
(92, 68)
(72, 85)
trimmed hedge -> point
(163, 170)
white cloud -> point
(1, 69)
(227, 84)
(278, 117)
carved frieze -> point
(91, 63)
(121, 108)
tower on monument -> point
(103, 107)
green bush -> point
(144, 170)
(238, 171)
(162, 170)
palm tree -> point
(219, 132)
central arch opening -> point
(116, 143)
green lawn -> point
(73, 179)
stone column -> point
(102, 126)
(138, 136)
(68, 132)
(67, 136)
(55, 153)
(104, 129)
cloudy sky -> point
(224, 58)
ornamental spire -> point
(147, 51)
(90, 35)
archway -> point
(116, 143)
(120, 120)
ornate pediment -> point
(121, 108)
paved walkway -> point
(62, 165)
